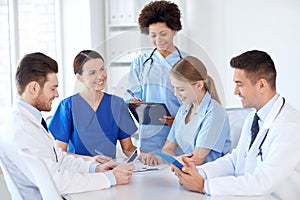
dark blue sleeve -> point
(61, 124)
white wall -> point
(227, 28)
(214, 30)
(82, 28)
(203, 33)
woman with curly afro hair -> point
(149, 78)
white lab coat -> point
(23, 131)
(278, 172)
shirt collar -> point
(202, 106)
(35, 112)
(264, 111)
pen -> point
(98, 152)
(146, 170)
(260, 154)
(130, 92)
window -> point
(27, 26)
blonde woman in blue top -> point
(200, 130)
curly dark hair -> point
(160, 11)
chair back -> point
(236, 117)
(10, 183)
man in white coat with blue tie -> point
(26, 131)
(270, 165)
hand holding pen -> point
(134, 99)
(101, 158)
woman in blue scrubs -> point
(90, 122)
(149, 78)
(200, 130)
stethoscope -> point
(144, 72)
(151, 59)
(262, 142)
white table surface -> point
(153, 185)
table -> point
(154, 185)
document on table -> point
(140, 167)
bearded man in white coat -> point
(271, 165)
(23, 131)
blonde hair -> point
(191, 69)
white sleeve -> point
(223, 166)
(72, 175)
(269, 175)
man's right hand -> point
(189, 176)
(123, 173)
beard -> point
(42, 103)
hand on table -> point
(149, 159)
(102, 159)
(123, 173)
(107, 166)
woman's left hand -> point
(102, 159)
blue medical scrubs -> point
(85, 130)
(151, 83)
(209, 128)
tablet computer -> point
(148, 113)
(133, 157)
(170, 159)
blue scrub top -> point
(151, 83)
(209, 128)
(85, 130)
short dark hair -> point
(160, 11)
(82, 57)
(34, 67)
(257, 64)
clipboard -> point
(148, 113)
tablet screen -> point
(133, 156)
(149, 113)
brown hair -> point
(34, 67)
(191, 69)
(160, 11)
(82, 57)
(257, 64)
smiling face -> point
(162, 36)
(93, 75)
(246, 90)
(47, 94)
(185, 91)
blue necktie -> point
(254, 129)
(44, 124)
